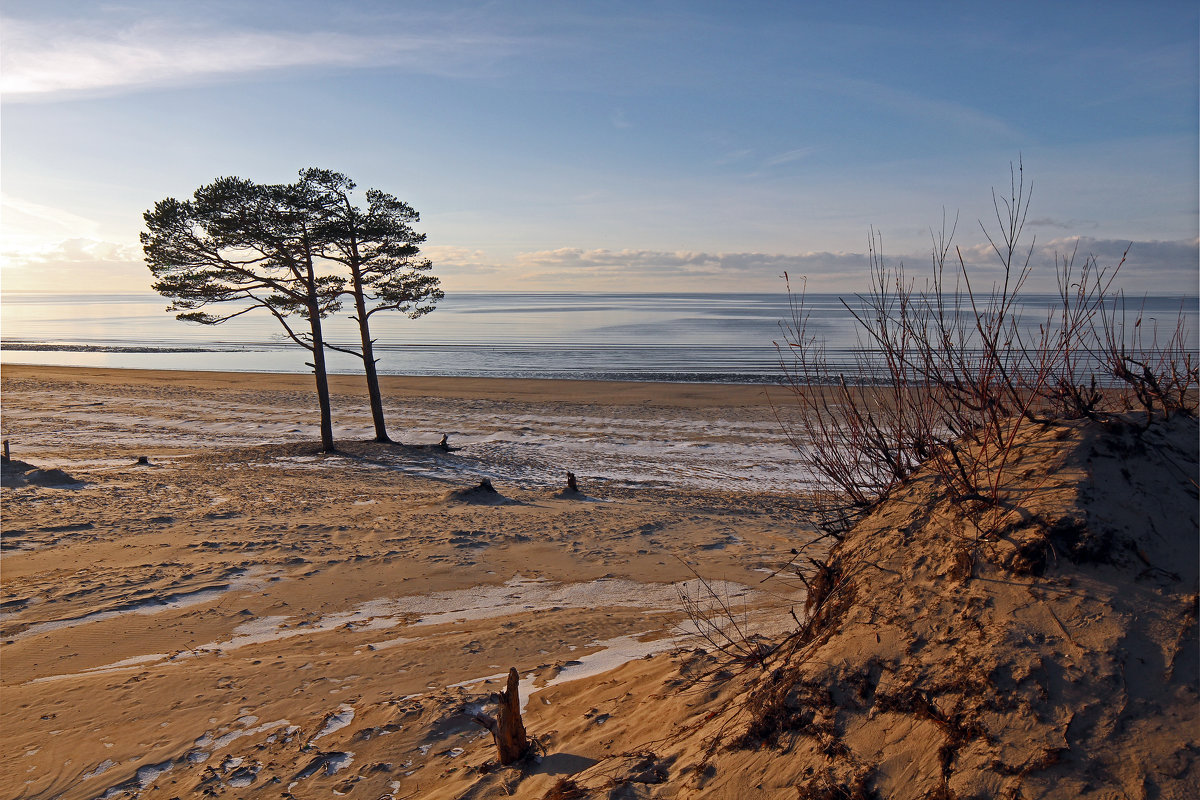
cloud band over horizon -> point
(1151, 267)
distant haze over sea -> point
(609, 336)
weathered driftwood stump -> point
(572, 484)
(445, 442)
(507, 728)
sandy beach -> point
(172, 617)
(243, 616)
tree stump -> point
(445, 442)
(507, 729)
(572, 484)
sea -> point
(677, 337)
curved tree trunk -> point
(368, 357)
(322, 386)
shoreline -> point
(527, 431)
(550, 390)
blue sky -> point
(686, 146)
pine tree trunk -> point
(318, 351)
(368, 357)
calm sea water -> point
(672, 337)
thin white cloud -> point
(457, 264)
(18, 213)
(733, 156)
(78, 264)
(939, 112)
(74, 251)
(451, 254)
(32, 233)
(42, 59)
(1066, 225)
(1149, 266)
(1172, 266)
(790, 156)
(644, 268)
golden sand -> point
(245, 617)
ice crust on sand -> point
(520, 595)
(249, 580)
(612, 653)
(660, 448)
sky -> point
(614, 146)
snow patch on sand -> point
(335, 722)
(519, 595)
(250, 580)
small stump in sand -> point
(572, 491)
(507, 729)
(484, 494)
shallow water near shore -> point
(680, 337)
(675, 337)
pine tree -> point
(247, 246)
(379, 251)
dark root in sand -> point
(571, 492)
(565, 789)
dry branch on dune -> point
(947, 376)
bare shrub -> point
(715, 621)
(946, 376)
(1157, 370)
